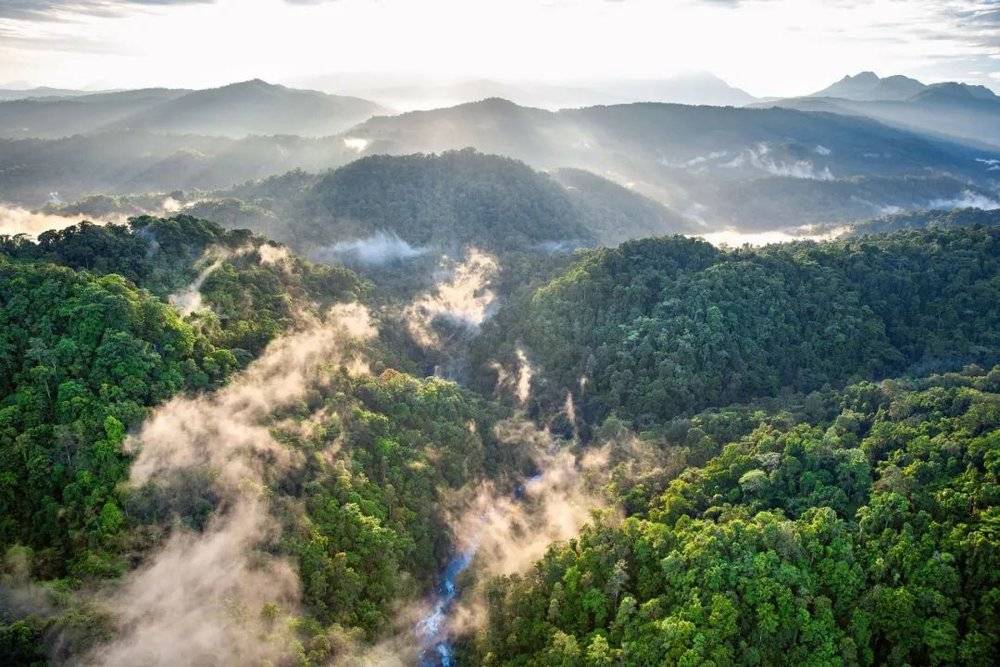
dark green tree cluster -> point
(365, 515)
(866, 538)
(253, 295)
(86, 349)
(448, 200)
(664, 327)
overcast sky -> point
(768, 47)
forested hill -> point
(858, 528)
(449, 201)
(659, 327)
(89, 347)
(849, 524)
(250, 286)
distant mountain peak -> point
(249, 84)
(869, 87)
(956, 92)
(493, 103)
(863, 77)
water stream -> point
(432, 631)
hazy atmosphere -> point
(767, 47)
(570, 333)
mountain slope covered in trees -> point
(659, 327)
(761, 493)
(860, 532)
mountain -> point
(34, 171)
(67, 116)
(693, 88)
(717, 166)
(954, 110)
(253, 107)
(422, 203)
(643, 140)
(614, 213)
(11, 93)
(236, 110)
(868, 87)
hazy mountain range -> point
(406, 94)
(764, 166)
(969, 113)
(236, 110)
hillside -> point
(868, 87)
(843, 528)
(718, 167)
(705, 161)
(273, 436)
(960, 217)
(236, 110)
(443, 202)
(253, 107)
(662, 327)
(66, 116)
(250, 287)
(31, 170)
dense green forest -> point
(767, 495)
(442, 202)
(251, 295)
(859, 531)
(82, 357)
(658, 327)
(88, 349)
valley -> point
(450, 364)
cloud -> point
(375, 250)
(967, 199)
(62, 10)
(497, 532)
(15, 220)
(188, 300)
(759, 157)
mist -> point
(216, 596)
(376, 250)
(968, 199)
(462, 295)
(15, 220)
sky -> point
(767, 47)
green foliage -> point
(365, 514)
(253, 294)
(81, 358)
(663, 327)
(448, 200)
(867, 538)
